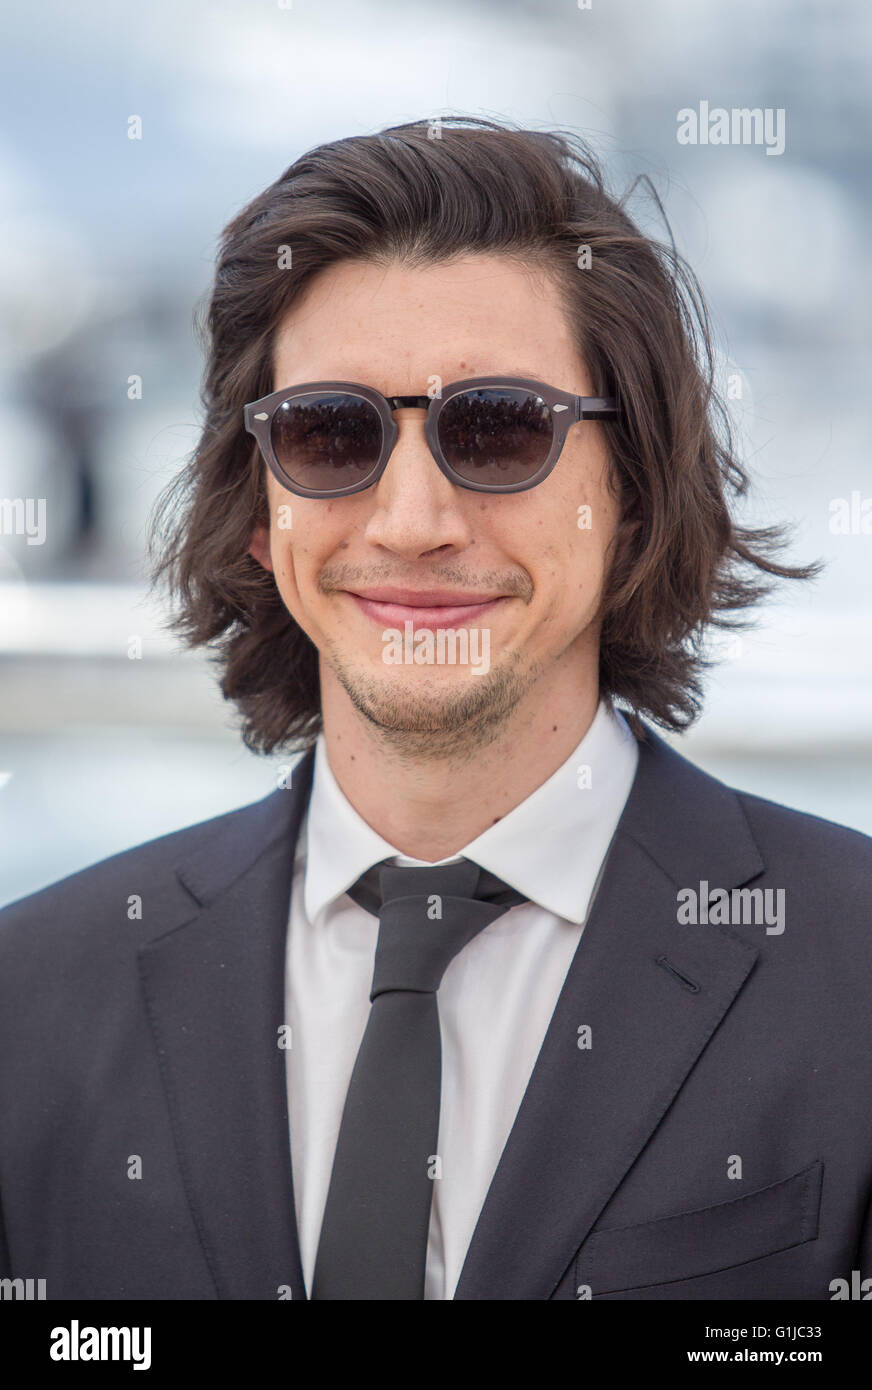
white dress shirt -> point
(497, 995)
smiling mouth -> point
(390, 613)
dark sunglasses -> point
(489, 434)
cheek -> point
(281, 548)
(286, 549)
(596, 516)
(286, 518)
(302, 541)
(570, 571)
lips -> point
(431, 608)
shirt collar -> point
(550, 847)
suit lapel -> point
(214, 989)
(652, 992)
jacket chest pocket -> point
(693, 1243)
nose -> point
(415, 509)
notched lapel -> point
(214, 990)
(651, 992)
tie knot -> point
(426, 916)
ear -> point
(259, 547)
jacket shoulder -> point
(774, 824)
(717, 818)
(825, 869)
(799, 833)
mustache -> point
(336, 577)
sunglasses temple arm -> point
(595, 407)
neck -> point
(430, 808)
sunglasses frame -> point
(566, 410)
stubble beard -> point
(433, 721)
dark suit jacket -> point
(715, 1050)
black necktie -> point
(373, 1242)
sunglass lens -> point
(496, 435)
(326, 441)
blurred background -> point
(107, 253)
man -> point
(497, 996)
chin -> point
(427, 705)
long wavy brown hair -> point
(424, 193)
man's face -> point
(396, 329)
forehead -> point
(395, 327)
